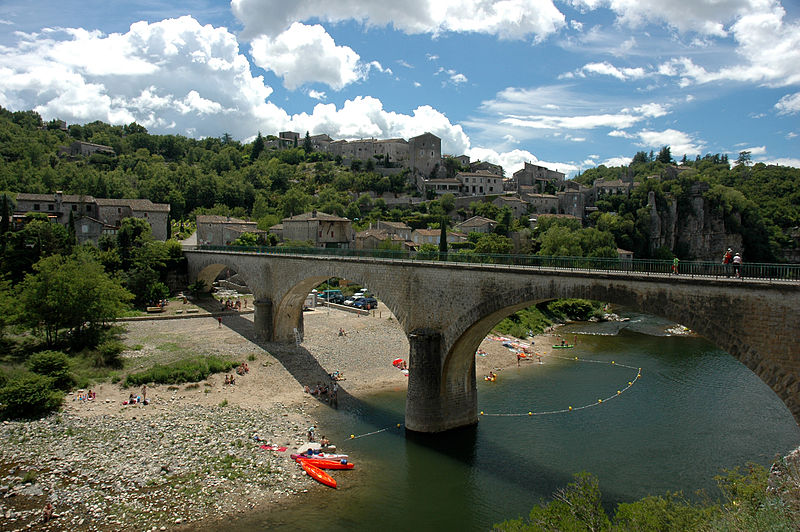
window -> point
(50, 207)
(119, 210)
(84, 229)
(35, 206)
(74, 207)
(88, 208)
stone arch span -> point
(446, 308)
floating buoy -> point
(352, 436)
(630, 383)
(399, 425)
(618, 392)
(530, 413)
(481, 412)
(612, 361)
(570, 408)
(599, 400)
(576, 358)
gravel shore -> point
(190, 455)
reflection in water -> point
(695, 411)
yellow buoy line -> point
(545, 413)
(583, 407)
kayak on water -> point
(326, 464)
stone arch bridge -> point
(447, 308)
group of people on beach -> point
(138, 399)
(85, 396)
(329, 394)
(230, 304)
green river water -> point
(694, 411)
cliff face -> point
(697, 231)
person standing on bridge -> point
(726, 261)
(737, 265)
(675, 262)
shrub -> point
(108, 354)
(192, 370)
(575, 309)
(53, 364)
(29, 396)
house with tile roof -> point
(323, 229)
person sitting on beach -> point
(324, 441)
(233, 380)
(227, 379)
(47, 513)
(306, 389)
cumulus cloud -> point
(507, 19)
(680, 143)
(317, 95)
(307, 54)
(789, 104)
(159, 74)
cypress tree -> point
(443, 236)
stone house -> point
(394, 228)
(424, 153)
(483, 166)
(217, 230)
(112, 211)
(538, 176)
(93, 217)
(540, 203)
(324, 230)
(439, 185)
(431, 236)
(476, 224)
(612, 187)
(479, 183)
(518, 207)
(373, 238)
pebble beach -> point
(194, 454)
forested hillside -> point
(758, 204)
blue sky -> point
(569, 84)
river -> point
(694, 412)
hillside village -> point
(531, 190)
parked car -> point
(366, 303)
(333, 296)
(352, 301)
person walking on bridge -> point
(737, 265)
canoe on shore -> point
(323, 463)
(317, 474)
(567, 346)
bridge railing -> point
(786, 272)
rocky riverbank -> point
(189, 455)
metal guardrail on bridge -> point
(782, 272)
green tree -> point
(71, 293)
(494, 244)
(443, 236)
(664, 155)
(307, 146)
(28, 396)
(258, 147)
(53, 364)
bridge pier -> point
(263, 319)
(436, 401)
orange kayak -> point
(318, 474)
(324, 463)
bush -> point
(53, 364)
(29, 396)
(108, 354)
(574, 309)
(192, 370)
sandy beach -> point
(194, 452)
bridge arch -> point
(445, 310)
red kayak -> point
(326, 464)
(317, 474)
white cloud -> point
(507, 19)
(317, 95)
(707, 17)
(158, 74)
(679, 142)
(781, 161)
(756, 150)
(652, 109)
(620, 133)
(607, 69)
(404, 63)
(617, 161)
(514, 160)
(458, 78)
(307, 54)
(789, 104)
(621, 120)
(417, 84)
(768, 46)
(576, 25)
